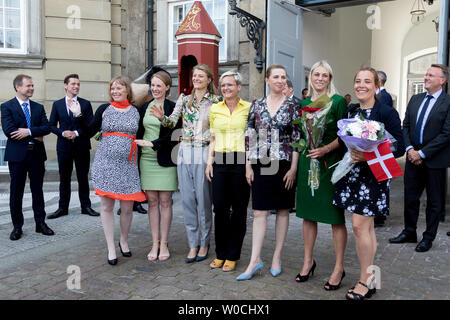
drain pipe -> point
(443, 33)
(150, 34)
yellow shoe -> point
(229, 266)
(217, 263)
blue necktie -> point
(418, 128)
(27, 114)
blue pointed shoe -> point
(244, 276)
(275, 273)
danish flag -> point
(382, 162)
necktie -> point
(418, 128)
(27, 114)
(70, 112)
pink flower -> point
(371, 127)
(365, 134)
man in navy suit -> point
(382, 94)
(426, 129)
(385, 98)
(72, 146)
(288, 91)
(25, 124)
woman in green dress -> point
(315, 204)
(158, 172)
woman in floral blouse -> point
(192, 156)
(271, 166)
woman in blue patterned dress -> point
(359, 191)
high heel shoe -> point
(190, 260)
(357, 296)
(275, 273)
(153, 257)
(300, 278)
(201, 258)
(112, 262)
(332, 287)
(125, 254)
(244, 276)
(164, 256)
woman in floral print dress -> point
(359, 191)
(196, 192)
(271, 166)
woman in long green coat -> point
(314, 204)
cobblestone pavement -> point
(36, 266)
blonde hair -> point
(331, 89)
(236, 76)
(125, 81)
(211, 87)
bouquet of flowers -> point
(312, 121)
(366, 136)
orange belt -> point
(133, 150)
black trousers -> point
(418, 178)
(65, 163)
(33, 166)
(231, 194)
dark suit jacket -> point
(59, 114)
(296, 101)
(436, 133)
(164, 144)
(391, 120)
(13, 118)
(385, 98)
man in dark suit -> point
(72, 146)
(288, 91)
(382, 94)
(25, 124)
(426, 129)
(385, 98)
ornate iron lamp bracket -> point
(254, 27)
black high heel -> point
(113, 262)
(201, 258)
(125, 254)
(300, 278)
(332, 287)
(357, 296)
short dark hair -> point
(70, 76)
(383, 77)
(305, 89)
(289, 83)
(443, 68)
(18, 80)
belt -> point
(30, 147)
(133, 150)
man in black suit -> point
(426, 129)
(288, 91)
(385, 98)
(382, 94)
(25, 124)
(72, 146)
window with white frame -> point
(217, 10)
(12, 26)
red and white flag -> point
(382, 162)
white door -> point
(284, 40)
